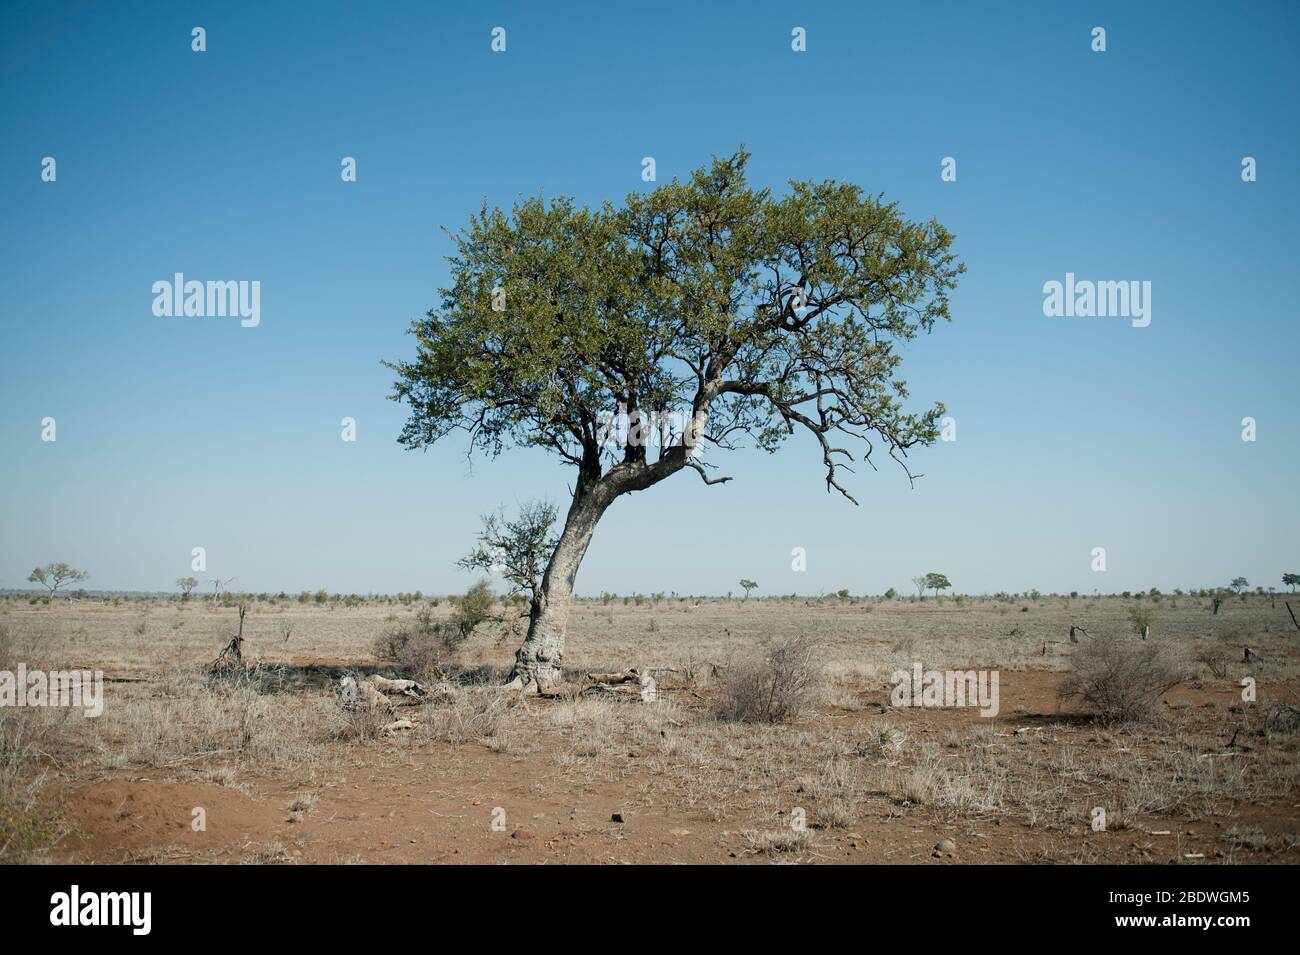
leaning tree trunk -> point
(539, 661)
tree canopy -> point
(738, 313)
(54, 575)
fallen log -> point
(405, 687)
(630, 683)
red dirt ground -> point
(434, 803)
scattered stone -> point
(523, 834)
(616, 817)
(946, 846)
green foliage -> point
(938, 582)
(516, 549)
(54, 575)
(752, 312)
(474, 607)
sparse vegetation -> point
(1122, 679)
(836, 755)
(55, 575)
(1140, 617)
(775, 686)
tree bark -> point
(539, 662)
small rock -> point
(946, 845)
(523, 834)
(616, 817)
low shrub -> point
(774, 687)
(1122, 679)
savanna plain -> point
(771, 737)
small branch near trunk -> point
(1292, 613)
(232, 656)
(699, 469)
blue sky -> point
(1072, 433)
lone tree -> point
(1290, 580)
(1238, 585)
(721, 307)
(747, 585)
(55, 575)
(937, 582)
(185, 585)
(920, 583)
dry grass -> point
(827, 745)
(1122, 679)
(777, 685)
(27, 736)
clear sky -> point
(1072, 433)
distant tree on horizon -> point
(1290, 580)
(54, 575)
(185, 585)
(921, 583)
(748, 585)
(1238, 584)
(937, 582)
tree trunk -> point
(539, 662)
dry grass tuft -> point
(775, 687)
